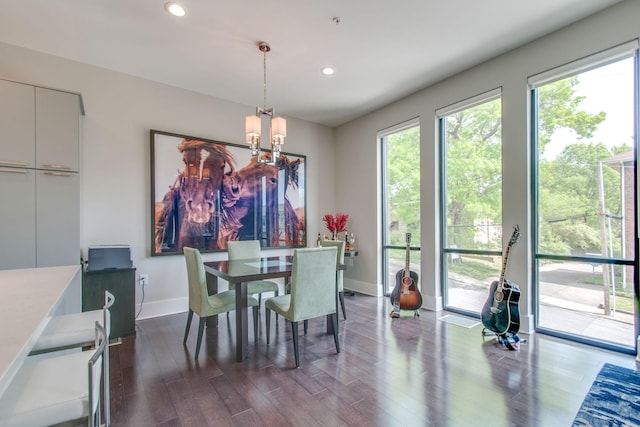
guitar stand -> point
(396, 314)
(509, 340)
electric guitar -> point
(405, 295)
(500, 313)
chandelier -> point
(277, 125)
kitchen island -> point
(28, 299)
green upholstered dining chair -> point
(250, 249)
(339, 244)
(58, 389)
(205, 305)
(313, 275)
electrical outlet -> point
(144, 279)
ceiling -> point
(382, 50)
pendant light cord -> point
(264, 68)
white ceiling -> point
(382, 50)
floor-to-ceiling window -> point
(400, 200)
(471, 184)
(584, 121)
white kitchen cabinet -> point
(39, 179)
(17, 125)
(57, 218)
(57, 130)
(17, 218)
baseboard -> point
(362, 287)
(527, 325)
(162, 308)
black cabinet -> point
(121, 283)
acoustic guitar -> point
(500, 313)
(405, 295)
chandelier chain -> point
(264, 68)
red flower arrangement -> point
(336, 224)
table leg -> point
(242, 322)
(212, 288)
(329, 322)
(348, 261)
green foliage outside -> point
(403, 186)
(569, 221)
(579, 193)
(624, 303)
(473, 174)
(482, 272)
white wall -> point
(357, 140)
(115, 165)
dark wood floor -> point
(411, 371)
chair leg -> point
(255, 323)
(267, 318)
(294, 330)
(106, 386)
(341, 296)
(276, 293)
(200, 333)
(186, 331)
(306, 326)
(334, 323)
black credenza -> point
(121, 283)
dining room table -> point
(240, 272)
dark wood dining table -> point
(239, 272)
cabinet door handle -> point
(52, 166)
(10, 163)
(13, 170)
(57, 174)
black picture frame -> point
(205, 193)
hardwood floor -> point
(411, 371)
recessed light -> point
(175, 9)
(327, 71)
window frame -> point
(582, 65)
(382, 136)
(447, 251)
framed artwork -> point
(205, 193)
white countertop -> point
(28, 297)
